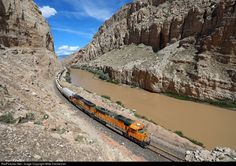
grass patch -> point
(28, 117)
(79, 138)
(120, 103)
(220, 103)
(224, 104)
(67, 76)
(180, 133)
(139, 116)
(99, 73)
(38, 122)
(106, 97)
(7, 118)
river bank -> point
(197, 121)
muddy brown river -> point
(213, 126)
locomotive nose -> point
(147, 139)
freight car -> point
(131, 129)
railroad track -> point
(153, 147)
(169, 156)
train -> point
(133, 130)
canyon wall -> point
(22, 24)
(203, 34)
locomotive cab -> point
(139, 132)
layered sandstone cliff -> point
(22, 24)
(193, 47)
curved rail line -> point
(171, 157)
(152, 147)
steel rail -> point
(156, 149)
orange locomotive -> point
(130, 129)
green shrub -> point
(100, 74)
(46, 116)
(106, 97)
(139, 116)
(67, 76)
(30, 116)
(104, 77)
(79, 138)
(179, 133)
(7, 118)
(115, 81)
(120, 103)
(38, 122)
(26, 118)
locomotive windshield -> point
(142, 131)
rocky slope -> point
(22, 24)
(193, 45)
(35, 123)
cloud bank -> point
(100, 9)
(47, 11)
(67, 50)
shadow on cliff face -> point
(3, 24)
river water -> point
(213, 126)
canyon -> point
(188, 48)
(183, 47)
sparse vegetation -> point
(223, 103)
(59, 130)
(30, 116)
(62, 131)
(139, 116)
(67, 76)
(79, 138)
(26, 118)
(88, 91)
(7, 118)
(120, 103)
(106, 97)
(180, 133)
(46, 116)
(99, 73)
(38, 122)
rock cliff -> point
(193, 47)
(22, 24)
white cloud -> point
(100, 10)
(93, 10)
(67, 50)
(48, 11)
(84, 34)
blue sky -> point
(74, 22)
